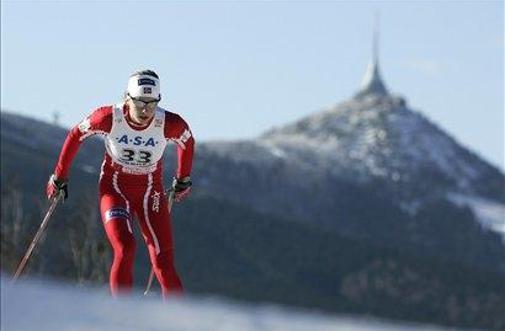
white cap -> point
(143, 86)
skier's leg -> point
(156, 227)
(164, 269)
(116, 219)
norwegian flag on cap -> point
(144, 86)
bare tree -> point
(14, 224)
(87, 243)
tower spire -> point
(372, 81)
(375, 42)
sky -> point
(234, 69)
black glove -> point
(181, 188)
(55, 186)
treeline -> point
(227, 249)
(73, 246)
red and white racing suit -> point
(131, 184)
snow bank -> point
(491, 214)
(35, 305)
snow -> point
(37, 305)
(88, 168)
(491, 214)
(276, 151)
(375, 138)
(369, 138)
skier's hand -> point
(55, 186)
(181, 188)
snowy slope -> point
(490, 213)
(42, 139)
(31, 132)
(29, 306)
(377, 139)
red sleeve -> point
(177, 130)
(99, 122)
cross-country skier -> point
(136, 132)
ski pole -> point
(37, 237)
(171, 196)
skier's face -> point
(142, 110)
